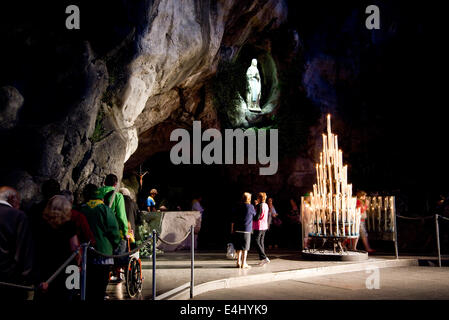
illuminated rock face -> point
(172, 50)
(180, 51)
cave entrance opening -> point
(177, 185)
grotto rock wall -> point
(68, 114)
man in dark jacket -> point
(16, 257)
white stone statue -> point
(253, 78)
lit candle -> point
(350, 191)
(321, 179)
(345, 175)
(349, 218)
(336, 146)
(343, 218)
(340, 159)
(337, 207)
(329, 198)
(328, 124)
(392, 214)
(379, 210)
(355, 214)
(367, 213)
(330, 176)
(323, 220)
(325, 149)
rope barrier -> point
(417, 218)
(123, 254)
(12, 285)
(174, 243)
(443, 217)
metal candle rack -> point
(330, 212)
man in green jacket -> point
(103, 224)
(118, 203)
(114, 200)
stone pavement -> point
(213, 271)
(397, 283)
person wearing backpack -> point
(114, 200)
(103, 224)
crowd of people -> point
(33, 245)
(255, 222)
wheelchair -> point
(132, 266)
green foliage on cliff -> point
(99, 130)
(228, 85)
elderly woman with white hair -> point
(57, 240)
(241, 229)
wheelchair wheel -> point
(134, 279)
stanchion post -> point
(437, 228)
(154, 263)
(302, 224)
(84, 247)
(395, 229)
(192, 260)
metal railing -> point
(192, 258)
(437, 230)
(49, 280)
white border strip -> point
(183, 292)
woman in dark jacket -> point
(241, 228)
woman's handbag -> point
(230, 252)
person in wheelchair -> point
(133, 270)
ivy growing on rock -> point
(99, 130)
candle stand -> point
(330, 218)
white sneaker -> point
(264, 261)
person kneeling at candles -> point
(361, 203)
(241, 229)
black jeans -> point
(97, 281)
(259, 238)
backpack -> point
(109, 198)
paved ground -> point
(173, 270)
(418, 283)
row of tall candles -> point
(333, 208)
(380, 213)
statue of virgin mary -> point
(253, 78)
